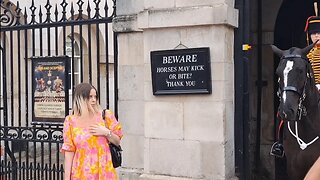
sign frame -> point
(50, 91)
(191, 65)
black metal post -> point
(241, 67)
(259, 85)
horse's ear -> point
(276, 50)
(308, 48)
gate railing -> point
(80, 30)
(38, 165)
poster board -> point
(50, 98)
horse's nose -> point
(288, 115)
(282, 115)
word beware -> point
(188, 58)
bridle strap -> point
(294, 56)
(291, 88)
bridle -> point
(302, 95)
(302, 110)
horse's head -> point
(293, 71)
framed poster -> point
(181, 71)
(49, 89)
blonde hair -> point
(81, 96)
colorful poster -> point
(50, 98)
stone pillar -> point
(176, 136)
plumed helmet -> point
(312, 25)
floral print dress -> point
(92, 158)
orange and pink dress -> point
(92, 158)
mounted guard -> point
(312, 30)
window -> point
(74, 60)
(76, 71)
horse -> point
(298, 110)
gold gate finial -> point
(315, 5)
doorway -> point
(262, 23)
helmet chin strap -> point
(301, 143)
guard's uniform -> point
(314, 58)
(313, 26)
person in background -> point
(313, 32)
(86, 135)
(1, 151)
(2, 176)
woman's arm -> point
(113, 138)
(314, 172)
(68, 158)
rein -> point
(302, 111)
(301, 143)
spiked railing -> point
(34, 16)
(32, 149)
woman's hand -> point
(99, 130)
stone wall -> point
(176, 136)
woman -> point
(86, 136)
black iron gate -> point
(80, 30)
